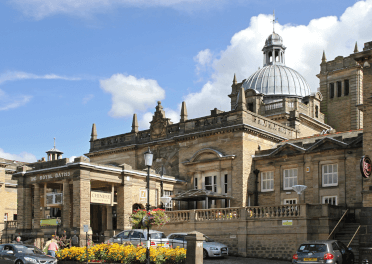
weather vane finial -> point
(54, 142)
(274, 21)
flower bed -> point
(128, 254)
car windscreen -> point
(207, 239)
(315, 248)
(157, 236)
(27, 249)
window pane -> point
(264, 185)
(208, 180)
(295, 172)
(325, 169)
(335, 178)
(272, 185)
(295, 181)
(335, 168)
(330, 168)
(325, 179)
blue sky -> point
(67, 64)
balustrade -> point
(273, 106)
(10, 224)
(222, 214)
(281, 211)
(179, 216)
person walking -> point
(18, 240)
(52, 248)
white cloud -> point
(144, 122)
(39, 9)
(23, 156)
(87, 98)
(17, 75)
(130, 94)
(203, 60)
(305, 44)
(9, 102)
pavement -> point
(236, 260)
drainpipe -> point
(256, 172)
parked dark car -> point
(22, 254)
(323, 251)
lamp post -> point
(161, 185)
(148, 162)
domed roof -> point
(274, 39)
(277, 79)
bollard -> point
(194, 253)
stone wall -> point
(259, 231)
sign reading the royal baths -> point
(365, 166)
(56, 176)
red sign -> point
(365, 166)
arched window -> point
(316, 111)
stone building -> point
(8, 192)
(341, 84)
(275, 136)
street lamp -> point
(148, 162)
(299, 189)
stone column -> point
(124, 206)
(194, 254)
(66, 206)
(109, 217)
(81, 206)
(28, 208)
(37, 213)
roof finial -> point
(134, 124)
(93, 135)
(356, 47)
(183, 112)
(274, 21)
(54, 142)
(324, 59)
(234, 80)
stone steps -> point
(345, 235)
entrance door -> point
(96, 219)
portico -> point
(61, 196)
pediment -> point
(326, 144)
(207, 154)
(358, 142)
(287, 149)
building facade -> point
(275, 136)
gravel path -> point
(236, 260)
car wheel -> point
(205, 254)
(19, 262)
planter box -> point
(77, 262)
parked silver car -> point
(21, 254)
(323, 251)
(210, 247)
(138, 236)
